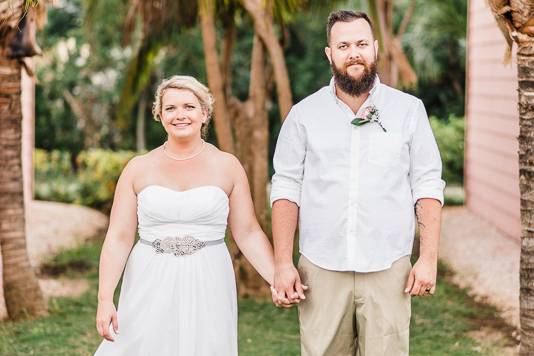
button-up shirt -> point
(356, 186)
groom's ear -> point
(328, 52)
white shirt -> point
(356, 186)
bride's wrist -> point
(105, 299)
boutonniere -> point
(370, 114)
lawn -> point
(441, 325)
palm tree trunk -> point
(28, 132)
(525, 67)
(259, 132)
(393, 65)
(251, 128)
(263, 26)
(515, 19)
(21, 289)
(223, 128)
(140, 138)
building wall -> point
(491, 159)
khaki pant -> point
(350, 313)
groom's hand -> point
(422, 277)
(288, 285)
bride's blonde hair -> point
(189, 83)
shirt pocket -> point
(385, 148)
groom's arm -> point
(284, 224)
(422, 277)
(288, 162)
(427, 194)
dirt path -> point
(484, 260)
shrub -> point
(99, 171)
(93, 183)
(450, 138)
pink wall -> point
(491, 167)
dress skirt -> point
(176, 305)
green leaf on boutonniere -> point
(359, 122)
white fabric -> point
(356, 186)
(184, 305)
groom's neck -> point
(354, 102)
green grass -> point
(441, 325)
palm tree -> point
(516, 21)
(21, 289)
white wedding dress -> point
(178, 305)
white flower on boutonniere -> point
(370, 114)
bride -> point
(178, 294)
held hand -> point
(106, 314)
(422, 278)
(284, 303)
(288, 286)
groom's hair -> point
(345, 16)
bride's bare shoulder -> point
(141, 162)
(225, 160)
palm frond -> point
(136, 79)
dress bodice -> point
(201, 212)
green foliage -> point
(435, 43)
(98, 174)
(450, 138)
(92, 184)
(54, 176)
(71, 65)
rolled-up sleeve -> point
(425, 160)
(288, 160)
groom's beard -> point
(355, 86)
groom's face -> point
(352, 51)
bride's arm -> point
(115, 250)
(245, 228)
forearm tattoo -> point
(418, 215)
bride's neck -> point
(183, 146)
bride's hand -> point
(106, 314)
(284, 303)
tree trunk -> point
(21, 289)
(521, 30)
(140, 138)
(238, 125)
(393, 65)
(251, 132)
(263, 26)
(259, 132)
(28, 131)
(525, 70)
(223, 128)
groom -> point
(357, 165)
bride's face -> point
(181, 113)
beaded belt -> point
(179, 245)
